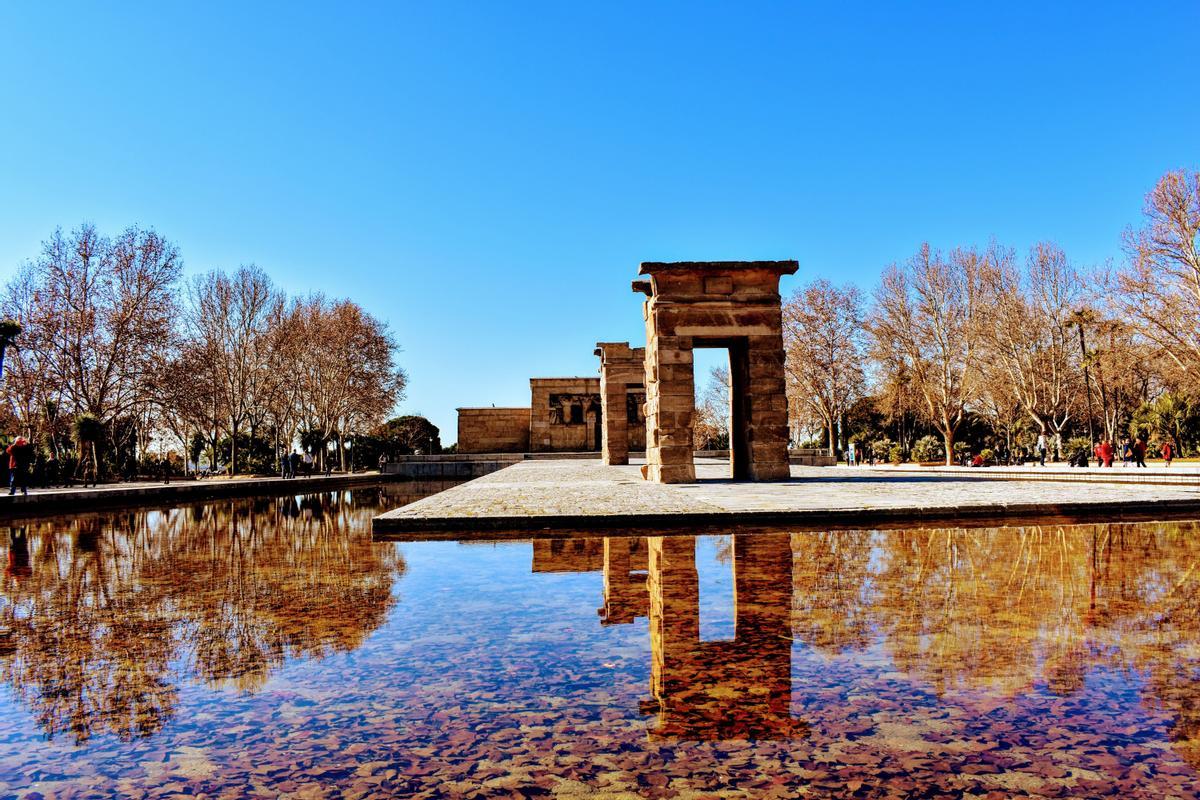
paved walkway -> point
(1186, 473)
(562, 496)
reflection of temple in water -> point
(625, 596)
(568, 555)
(732, 689)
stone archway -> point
(729, 304)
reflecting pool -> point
(269, 648)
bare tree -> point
(711, 426)
(823, 349)
(344, 367)
(1028, 334)
(231, 315)
(1161, 284)
(95, 312)
(926, 319)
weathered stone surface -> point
(578, 496)
(565, 415)
(623, 400)
(493, 430)
(731, 304)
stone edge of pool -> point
(526, 500)
(581, 526)
(145, 494)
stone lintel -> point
(619, 351)
(788, 267)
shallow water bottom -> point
(269, 648)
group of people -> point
(290, 464)
(1133, 451)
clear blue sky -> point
(486, 177)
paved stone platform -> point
(579, 496)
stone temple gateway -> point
(722, 304)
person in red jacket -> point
(1105, 454)
(1168, 451)
(20, 456)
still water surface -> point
(270, 648)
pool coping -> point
(391, 527)
(135, 495)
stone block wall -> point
(623, 396)
(734, 305)
(565, 415)
(493, 430)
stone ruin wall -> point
(622, 377)
(493, 430)
(565, 415)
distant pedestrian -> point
(308, 464)
(383, 461)
(1104, 454)
(1126, 452)
(328, 465)
(1168, 451)
(1139, 452)
(851, 456)
(1041, 449)
(294, 463)
(50, 472)
(20, 456)
(285, 465)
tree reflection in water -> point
(970, 613)
(1006, 611)
(107, 615)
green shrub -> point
(988, 455)
(928, 448)
(881, 449)
(896, 454)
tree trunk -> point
(948, 438)
(233, 436)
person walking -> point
(294, 463)
(308, 464)
(1041, 449)
(850, 455)
(1139, 452)
(1105, 454)
(50, 477)
(20, 455)
(1126, 452)
(1168, 451)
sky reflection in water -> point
(269, 647)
